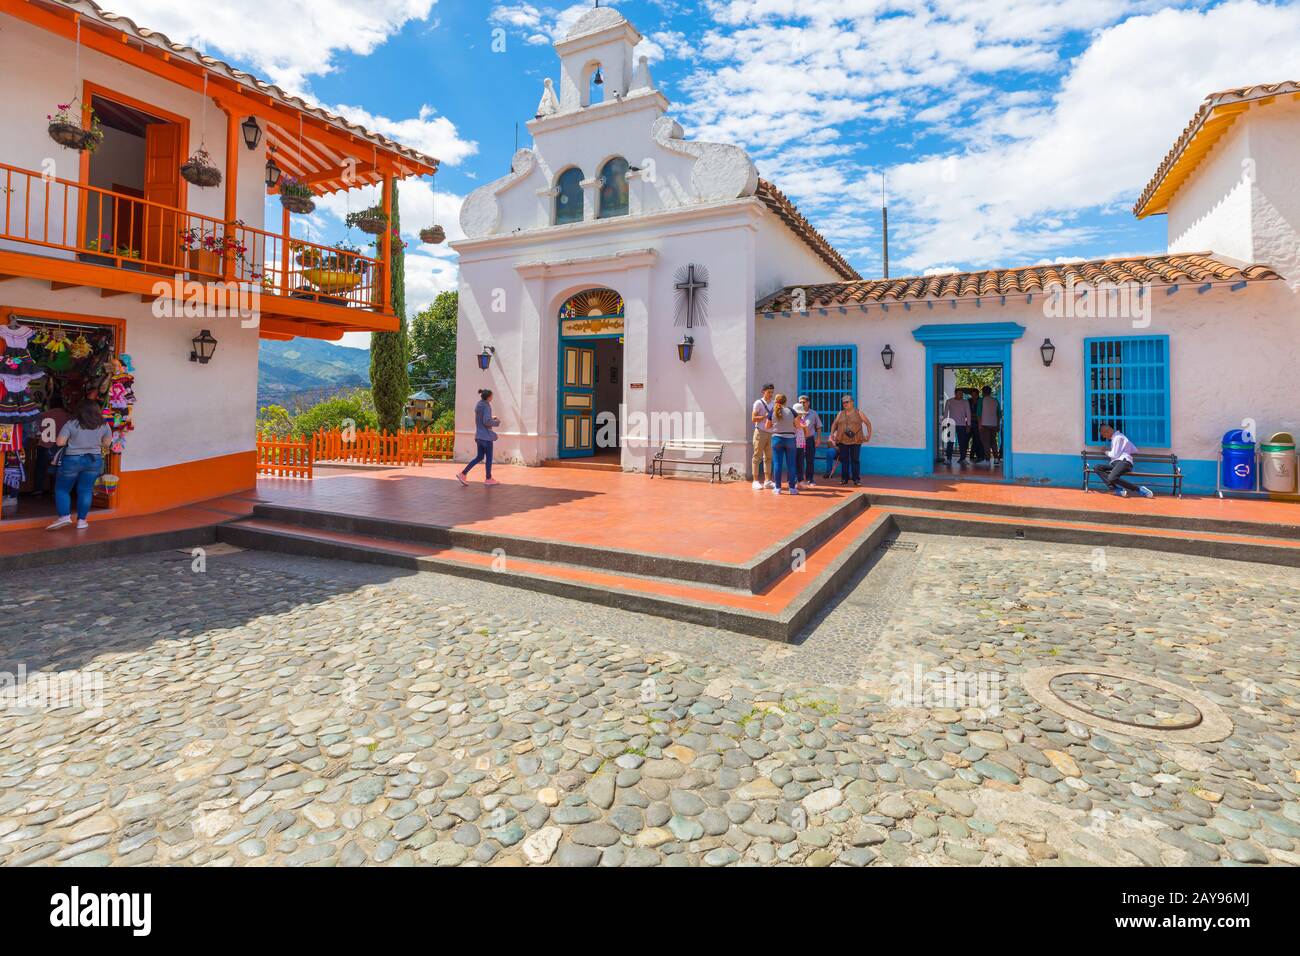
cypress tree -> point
(389, 383)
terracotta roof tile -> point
(1156, 270)
(1211, 120)
(780, 204)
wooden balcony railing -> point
(295, 457)
(103, 227)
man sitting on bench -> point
(1121, 454)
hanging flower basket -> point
(371, 221)
(65, 128)
(198, 169)
(296, 196)
(433, 235)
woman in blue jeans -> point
(84, 440)
(484, 436)
(782, 425)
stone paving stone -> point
(280, 710)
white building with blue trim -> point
(624, 285)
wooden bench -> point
(689, 452)
(1167, 474)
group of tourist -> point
(786, 439)
(975, 421)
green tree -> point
(274, 421)
(433, 335)
(354, 406)
(389, 383)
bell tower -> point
(603, 40)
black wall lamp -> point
(485, 357)
(204, 346)
(272, 170)
(1048, 351)
(252, 132)
(685, 347)
(887, 357)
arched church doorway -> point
(591, 375)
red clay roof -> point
(1156, 270)
(1202, 126)
(780, 204)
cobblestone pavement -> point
(275, 710)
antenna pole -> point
(884, 227)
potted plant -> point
(198, 169)
(65, 128)
(104, 254)
(378, 243)
(309, 257)
(433, 235)
(371, 221)
(206, 251)
(296, 196)
(339, 272)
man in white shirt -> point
(957, 409)
(762, 416)
(1121, 454)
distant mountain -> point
(305, 368)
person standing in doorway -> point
(976, 446)
(990, 418)
(84, 439)
(762, 417)
(813, 433)
(1120, 453)
(784, 427)
(484, 438)
(849, 432)
(957, 411)
(48, 427)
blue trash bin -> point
(1238, 462)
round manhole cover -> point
(1126, 701)
(1123, 702)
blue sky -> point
(1009, 131)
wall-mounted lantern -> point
(252, 132)
(485, 357)
(887, 357)
(204, 346)
(1048, 351)
(685, 347)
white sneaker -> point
(769, 484)
(757, 486)
(82, 524)
(794, 491)
(60, 523)
(1146, 492)
(776, 491)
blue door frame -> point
(975, 343)
(576, 341)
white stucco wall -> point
(1243, 200)
(185, 411)
(1233, 355)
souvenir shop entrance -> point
(49, 364)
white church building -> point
(623, 285)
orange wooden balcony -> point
(75, 235)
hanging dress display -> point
(17, 372)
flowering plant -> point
(398, 241)
(195, 239)
(293, 186)
(66, 128)
(104, 244)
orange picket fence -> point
(294, 458)
(283, 458)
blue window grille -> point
(825, 374)
(1127, 387)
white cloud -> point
(286, 41)
(428, 132)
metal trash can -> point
(1277, 463)
(1238, 469)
